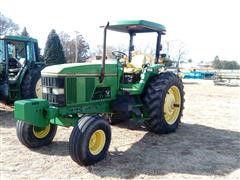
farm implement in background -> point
(198, 75)
(227, 78)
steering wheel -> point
(145, 65)
(119, 54)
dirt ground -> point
(205, 146)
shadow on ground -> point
(193, 149)
(7, 121)
(59, 148)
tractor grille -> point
(51, 88)
(53, 82)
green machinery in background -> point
(88, 96)
(20, 68)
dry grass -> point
(206, 145)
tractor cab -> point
(18, 55)
(135, 64)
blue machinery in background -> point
(199, 75)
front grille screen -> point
(48, 84)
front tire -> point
(90, 140)
(32, 136)
(163, 100)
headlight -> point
(44, 90)
(53, 90)
(57, 91)
(50, 90)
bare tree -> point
(7, 26)
(98, 52)
(65, 40)
(69, 47)
(175, 50)
(83, 48)
(181, 52)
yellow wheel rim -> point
(38, 89)
(97, 142)
(172, 105)
(41, 133)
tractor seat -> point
(136, 64)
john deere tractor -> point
(88, 96)
(20, 68)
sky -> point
(206, 27)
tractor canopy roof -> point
(17, 38)
(136, 26)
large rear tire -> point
(33, 137)
(31, 86)
(163, 100)
(90, 140)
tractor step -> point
(132, 91)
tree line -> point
(224, 64)
(59, 48)
(8, 26)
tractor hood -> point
(81, 69)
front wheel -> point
(90, 140)
(33, 136)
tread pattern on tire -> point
(153, 99)
(78, 142)
(27, 138)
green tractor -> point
(20, 68)
(88, 96)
